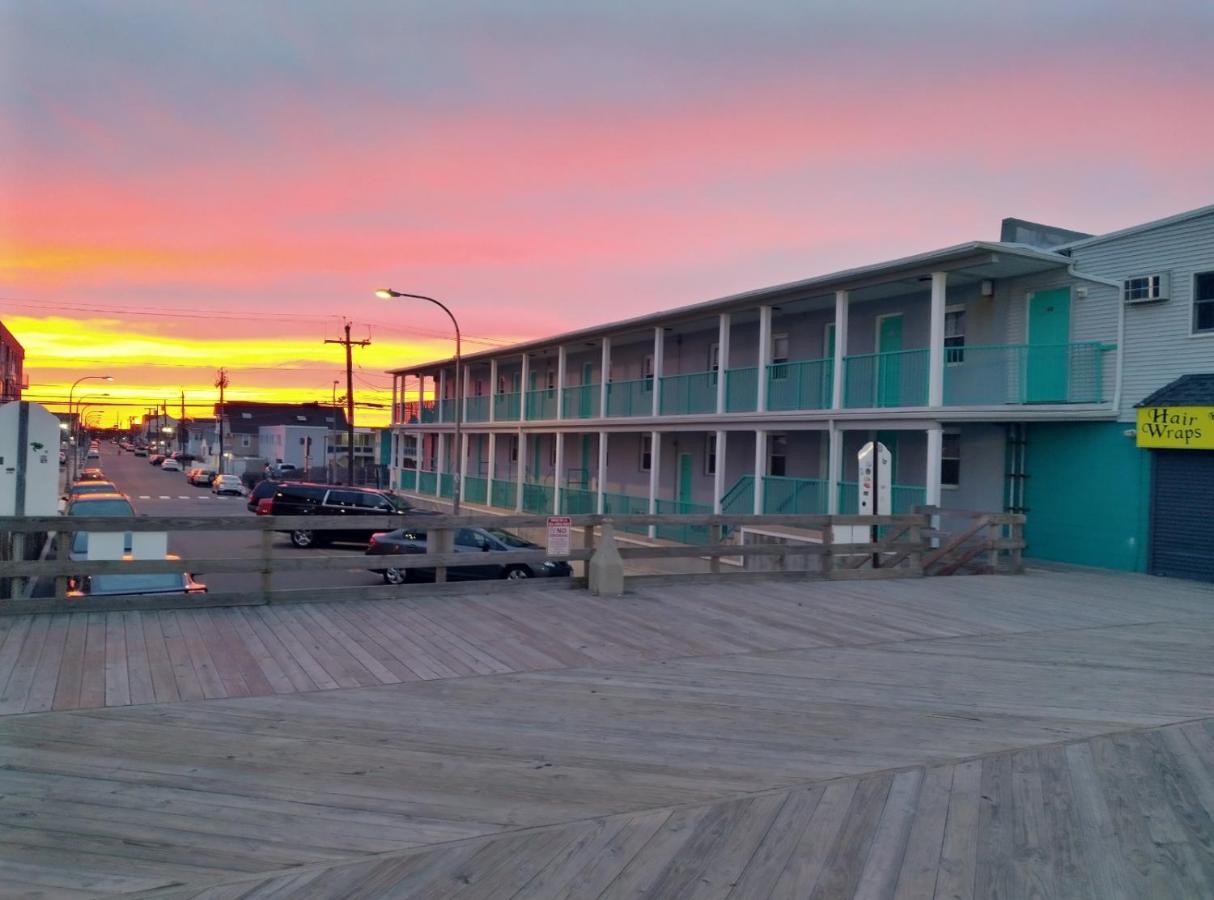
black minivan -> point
(303, 499)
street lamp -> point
(71, 391)
(81, 426)
(389, 294)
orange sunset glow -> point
(185, 190)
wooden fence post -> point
(587, 544)
(267, 565)
(828, 549)
(715, 533)
(442, 544)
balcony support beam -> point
(520, 468)
(935, 356)
(604, 371)
(491, 468)
(441, 396)
(839, 363)
(557, 486)
(601, 481)
(655, 466)
(764, 357)
(440, 463)
(722, 360)
(561, 357)
(461, 464)
(659, 367)
(834, 465)
(718, 472)
(524, 389)
(760, 469)
(493, 390)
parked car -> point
(91, 487)
(141, 451)
(278, 471)
(478, 543)
(109, 505)
(306, 499)
(202, 477)
(261, 491)
(155, 459)
(170, 465)
(227, 484)
(137, 583)
(91, 474)
(93, 453)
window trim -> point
(646, 441)
(1193, 301)
(961, 308)
(710, 453)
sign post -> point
(558, 535)
(876, 487)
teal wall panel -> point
(1088, 495)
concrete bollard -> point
(606, 567)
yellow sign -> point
(1176, 427)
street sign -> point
(558, 535)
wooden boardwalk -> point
(1049, 735)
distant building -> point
(12, 362)
(244, 420)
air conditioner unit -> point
(1146, 288)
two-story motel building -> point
(1002, 375)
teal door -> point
(889, 361)
(685, 463)
(1048, 353)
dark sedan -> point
(479, 541)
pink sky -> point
(543, 166)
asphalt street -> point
(154, 492)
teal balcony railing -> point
(794, 496)
(578, 501)
(630, 398)
(446, 410)
(739, 500)
(684, 534)
(506, 407)
(541, 405)
(408, 480)
(741, 390)
(903, 498)
(682, 395)
(477, 409)
(427, 482)
(805, 384)
(626, 505)
(446, 485)
(996, 374)
(580, 402)
(502, 494)
(476, 489)
(429, 412)
(896, 378)
(537, 498)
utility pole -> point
(349, 398)
(221, 382)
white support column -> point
(395, 393)
(524, 381)
(764, 356)
(557, 485)
(655, 468)
(441, 395)
(722, 359)
(600, 485)
(521, 470)
(465, 385)
(760, 469)
(492, 391)
(935, 353)
(491, 468)
(834, 466)
(659, 366)
(440, 464)
(604, 370)
(718, 474)
(935, 449)
(837, 396)
(462, 463)
(560, 381)
(421, 395)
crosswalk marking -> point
(145, 496)
(165, 497)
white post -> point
(599, 502)
(834, 465)
(395, 394)
(764, 356)
(466, 387)
(560, 381)
(441, 395)
(440, 464)
(524, 381)
(659, 365)
(760, 469)
(722, 359)
(604, 368)
(492, 391)
(560, 467)
(462, 462)
(935, 450)
(718, 473)
(655, 466)
(521, 470)
(491, 469)
(935, 353)
(837, 397)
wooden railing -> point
(904, 547)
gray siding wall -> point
(1159, 342)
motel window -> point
(478, 387)
(647, 372)
(954, 336)
(514, 448)
(501, 384)
(777, 463)
(550, 379)
(1203, 303)
(710, 454)
(646, 452)
(552, 453)
(950, 460)
(779, 356)
(244, 440)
